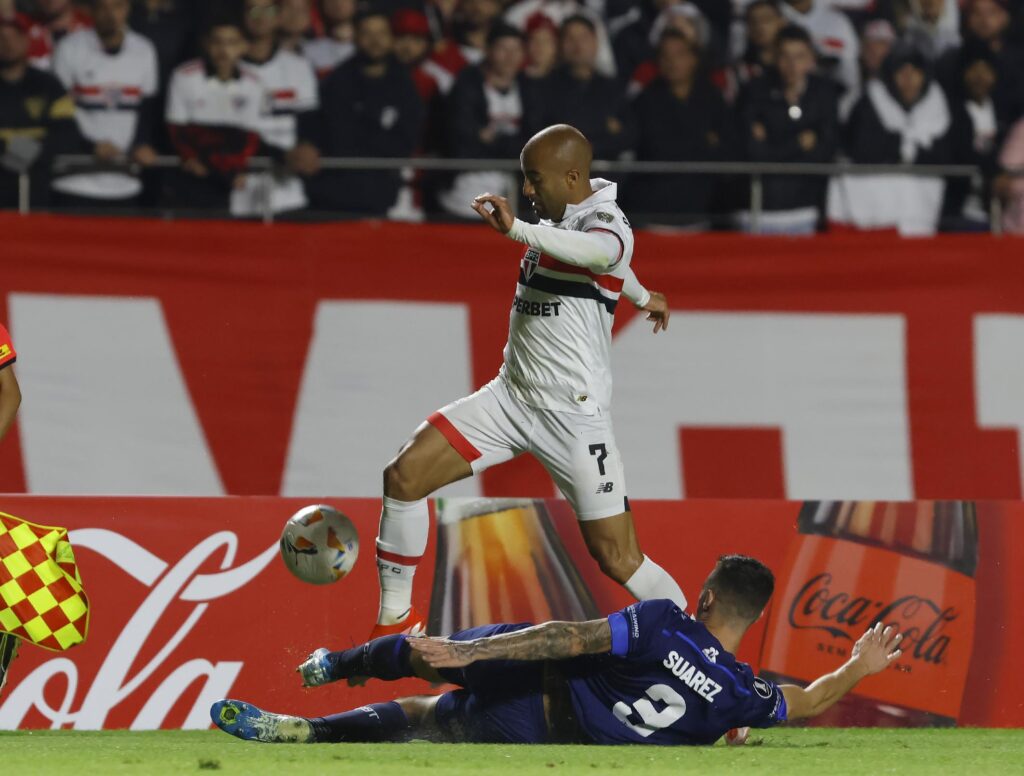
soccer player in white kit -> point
(552, 396)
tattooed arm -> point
(549, 641)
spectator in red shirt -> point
(53, 20)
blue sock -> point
(384, 658)
(377, 722)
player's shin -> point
(373, 723)
(385, 658)
(650, 581)
(404, 526)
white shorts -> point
(579, 452)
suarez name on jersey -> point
(667, 681)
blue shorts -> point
(502, 701)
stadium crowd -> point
(217, 83)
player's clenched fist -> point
(499, 216)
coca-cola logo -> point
(844, 615)
(87, 707)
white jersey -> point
(197, 96)
(292, 89)
(558, 355)
(108, 90)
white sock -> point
(652, 581)
(404, 526)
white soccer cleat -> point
(315, 670)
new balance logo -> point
(606, 487)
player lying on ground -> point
(552, 396)
(648, 674)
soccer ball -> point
(319, 545)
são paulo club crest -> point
(530, 260)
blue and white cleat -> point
(245, 721)
(315, 670)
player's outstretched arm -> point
(596, 251)
(873, 652)
(549, 641)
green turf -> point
(801, 750)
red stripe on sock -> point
(462, 445)
(394, 557)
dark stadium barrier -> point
(190, 601)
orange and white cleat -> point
(410, 625)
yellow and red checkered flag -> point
(41, 595)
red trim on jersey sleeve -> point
(455, 438)
(7, 352)
(402, 560)
(605, 281)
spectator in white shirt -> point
(215, 109)
(112, 74)
(293, 100)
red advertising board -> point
(190, 601)
(295, 359)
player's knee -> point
(418, 708)
(401, 481)
(617, 562)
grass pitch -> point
(800, 750)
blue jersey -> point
(667, 681)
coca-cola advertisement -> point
(190, 600)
